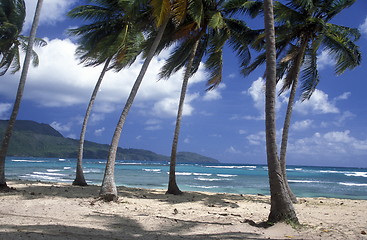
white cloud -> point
(59, 81)
(330, 144)
(187, 140)
(4, 110)
(214, 94)
(318, 104)
(363, 27)
(99, 132)
(324, 60)
(61, 127)
(302, 125)
(257, 93)
(97, 117)
(344, 96)
(256, 139)
(232, 150)
(51, 12)
(153, 125)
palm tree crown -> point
(12, 15)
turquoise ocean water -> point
(305, 181)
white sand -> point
(59, 211)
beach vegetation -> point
(207, 31)
(12, 41)
(303, 30)
(19, 95)
(281, 205)
(112, 39)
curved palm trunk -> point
(281, 206)
(172, 185)
(18, 99)
(79, 178)
(287, 121)
(283, 147)
(108, 189)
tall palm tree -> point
(303, 29)
(281, 205)
(12, 15)
(206, 37)
(162, 11)
(110, 38)
(23, 77)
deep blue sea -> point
(305, 181)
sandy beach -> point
(39, 210)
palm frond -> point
(161, 10)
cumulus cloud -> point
(319, 103)
(4, 110)
(330, 144)
(59, 81)
(363, 27)
(52, 12)
(214, 94)
(257, 93)
(302, 125)
(256, 139)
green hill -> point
(32, 139)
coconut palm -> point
(207, 36)
(111, 39)
(303, 29)
(281, 205)
(162, 12)
(23, 77)
(12, 15)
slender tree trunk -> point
(287, 121)
(108, 189)
(79, 178)
(18, 99)
(281, 206)
(172, 185)
(283, 147)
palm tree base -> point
(109, 197)
(174, 192)
(78, 182)
(4, 188)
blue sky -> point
(226, 124)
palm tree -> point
(12, 15)
(310, 30)
(303, 29)
(23, 77)
(111, 37)
(162, 13)
(281, 205)
(207, 36)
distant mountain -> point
(32, 139)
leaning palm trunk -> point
(79, 178)
(18, 99)
(108, 189)
(281, 206)
(172, 185)
(294, 71)
(283, 147)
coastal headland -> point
(41, 210)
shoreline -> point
(43, 210)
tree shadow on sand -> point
(115, 227)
